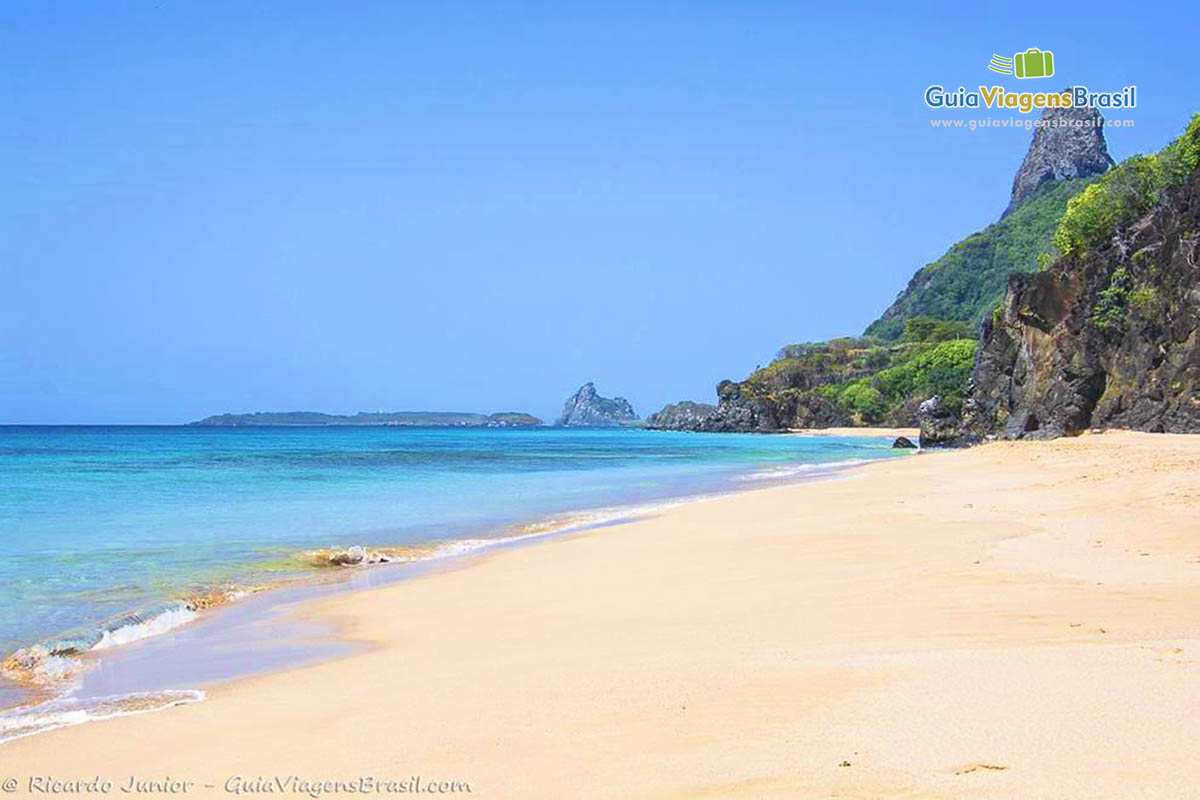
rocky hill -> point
(1066, 155)
(587, 409)
(1069, 145)
(1107, 335)
(923, 345)
(852, 381)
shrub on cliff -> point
(928, 329)
(1127, 193)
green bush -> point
(942, 370)
(1146, 302)
(1109, 311)
(870, 379)
(1121, 196)
(863, 399)
(928, 329)
(1127, 192)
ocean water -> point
(107, 528)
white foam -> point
(39, 665)
(154, 626)
(798, 470)
(66, 712)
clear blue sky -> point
(338, 206)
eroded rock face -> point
(1110, 339)
(586, 408)
(682, 416)
(740, 409)
(943, 426)
(1069, 143)
(790, 407)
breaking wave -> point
(56, 661)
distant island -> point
(424, 419)
(587, 409)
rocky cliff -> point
(586, 408)
(742, 408)
(682, 416)
(1068, 144)
(1108, 334)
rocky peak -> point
(586, 408)
(1068, 143)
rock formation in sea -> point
(587, 409)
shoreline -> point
(893, 433)
(178, 617)
(1012, 620)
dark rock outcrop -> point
(903, 443)
(1069, 143)
(740, 407)
(943, 425)
(682, 416)
(587, 409)
(1109, 338)
(745, 407)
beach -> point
(1014, 620)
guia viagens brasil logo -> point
(1031, 63)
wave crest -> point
(55, 661)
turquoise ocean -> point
(107, 529)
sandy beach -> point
(1012, 621)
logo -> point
(1033, 63)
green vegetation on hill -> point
(869, 381)
(967, 282)
(1126, 193)
(925, 343)
(914, 375)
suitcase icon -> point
(1034, 63)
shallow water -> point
(108, 521)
